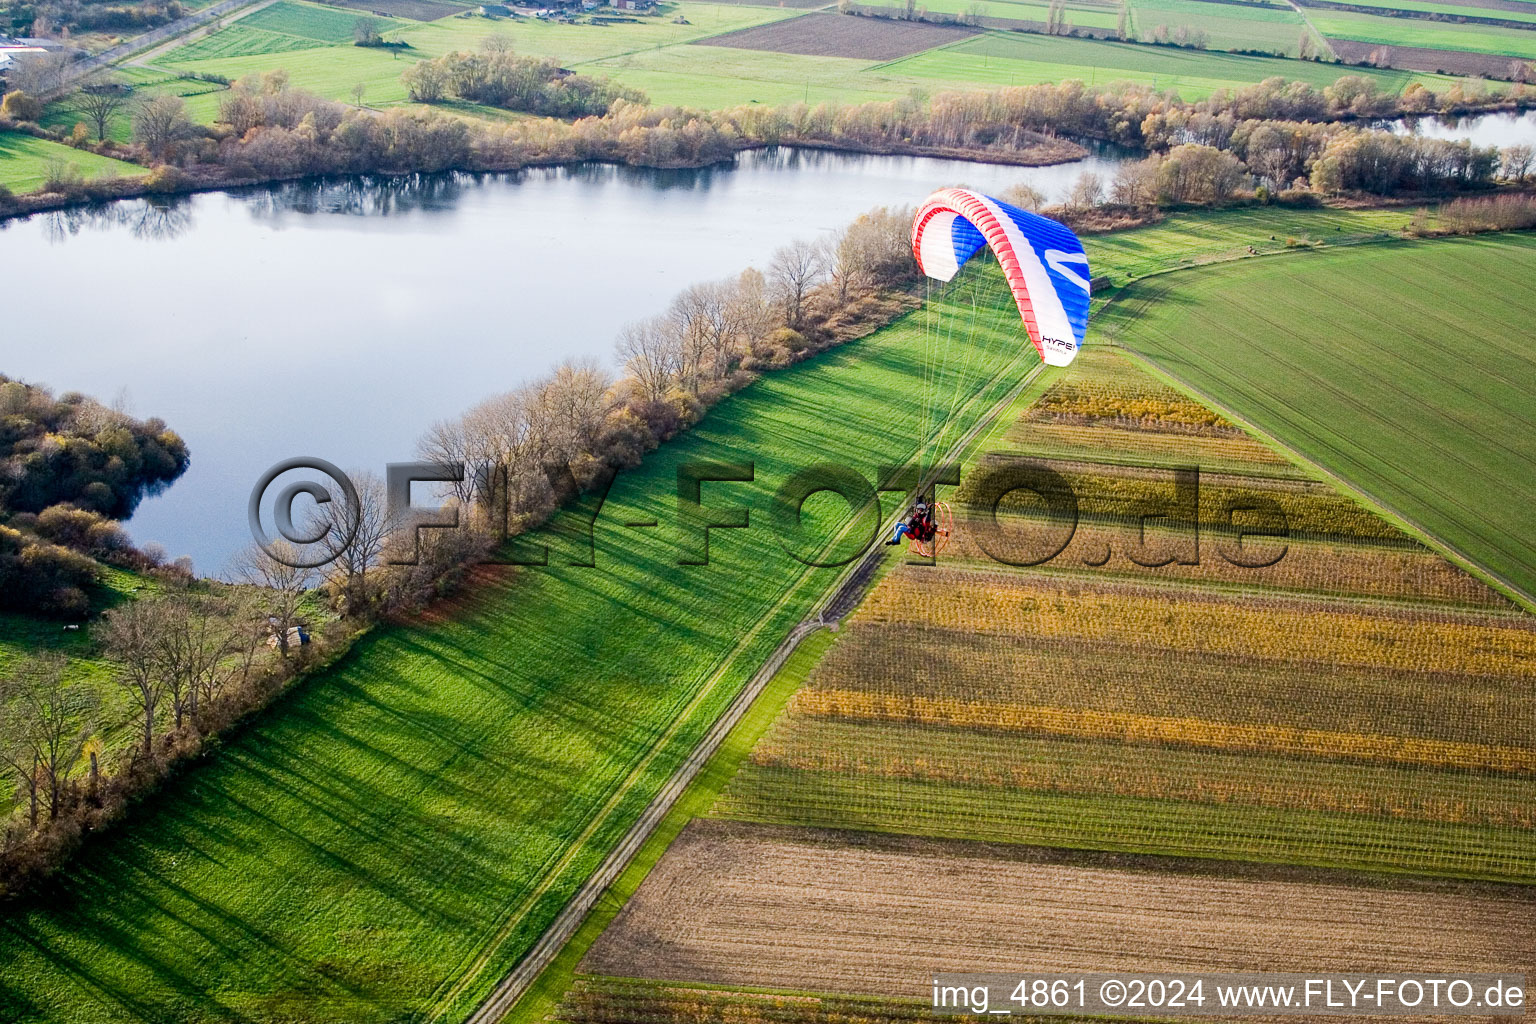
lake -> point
(1503, 129)
(339, 319)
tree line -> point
(267, 130)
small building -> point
(298, 636)
(634, 5)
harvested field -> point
(836, 35)
(415, 10)
(1422, 58)
(805, 910)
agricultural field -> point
(1509, 10)
(865, 59)
(1012, 58)
(1391, 368)
(833, 35)
(394, 833)
(1097, 14)
(25, 162)
(699, 918)
(1415, 32)
(1227, 26)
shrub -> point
(19, 106)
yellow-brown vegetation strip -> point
(1128, 727)
(1299, 630)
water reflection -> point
(1499, 129)
(339, 317)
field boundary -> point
(1383, 508)
(841, 596)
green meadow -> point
(1510, 42)
(1404, 369)
(26, 160)
(392, 835)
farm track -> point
(844, 596)
(172, 31)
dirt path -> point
(759, 906)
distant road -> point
(170, 30)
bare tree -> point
(282, 587)
(795, 270)
(56, 720)
(99, 103)
(1025, 197)
(197, 637)
(1087, 191)
(650, 351)
(359, 90)
(446, 444)
(1518, 161)
(1136, 183)
(574, 404)
(38, 74)
(161, 122)
(134, 635)
(355, 537)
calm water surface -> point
(340, 319)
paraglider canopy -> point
(1042, 260)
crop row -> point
(1102, 440)
(598, 1000)
(1129, 727)
(1338, 566)
(1105, 821)
(872, 750)
(1119, 492)
(1301, 631)
(1124, 403)
(901, 662)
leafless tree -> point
(282, 587)
(446, 444)
(161, 122)
(1087, 191)
(1025, 197)
(1136, 183)
(574, 404)
(359, 90)
(650, 350)
(55, 719)
(1518, 161)
(199, 634)
(355, 537)
(99, 103)
(38, 74)
(134, 635)
(795, 270)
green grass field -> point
(655, 55)
(1509, 42)
(1011, 58)
(412, 818)
(1229, 26)
(1454, 10)
(24, 161)
(1419, 396)
(1191, 239)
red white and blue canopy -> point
(1042, 260)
